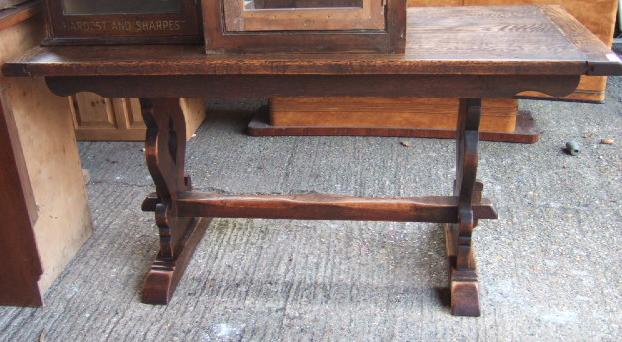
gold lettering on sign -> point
(158, 25)
(125, 26)
(87, 26)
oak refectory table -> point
(469, 52)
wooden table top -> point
(492, 40)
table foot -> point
(463, 285)
(165, 147)
(165, 273)
(465, 298)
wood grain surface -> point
(497, 40)
(238, 87)
(499, 115)
(437, 209)
(599, 16)
(524, 133)
(21, 265)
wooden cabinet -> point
(121, 21)
(97, 118)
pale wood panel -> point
(45, 133)
(135, 116)
(92, 111)
(21, 265)
(125, 115)
(98, 118)
(194, 113)
(101, 119)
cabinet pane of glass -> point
(103, 7)
(303, 15)
(293, 4)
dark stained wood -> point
(266, 86)
(189, 60)
(500, 40)
(600, 55)
(177, 207)
(525, 132)
(150, 202)
(21, 266)
(463, 273)
(165, 148)
(438, 209)
(165, 273)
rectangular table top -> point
(491, 40)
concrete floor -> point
(550, 266)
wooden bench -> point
(470, 53)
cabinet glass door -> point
(303, 15)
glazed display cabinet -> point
(304, 25)
(122, 21)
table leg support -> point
(176, 207)
(165, 147)
(463, 282)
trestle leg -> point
(165, 147)
(463, 282)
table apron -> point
(266, 86)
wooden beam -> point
(437, 209)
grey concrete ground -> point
(550, 266)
